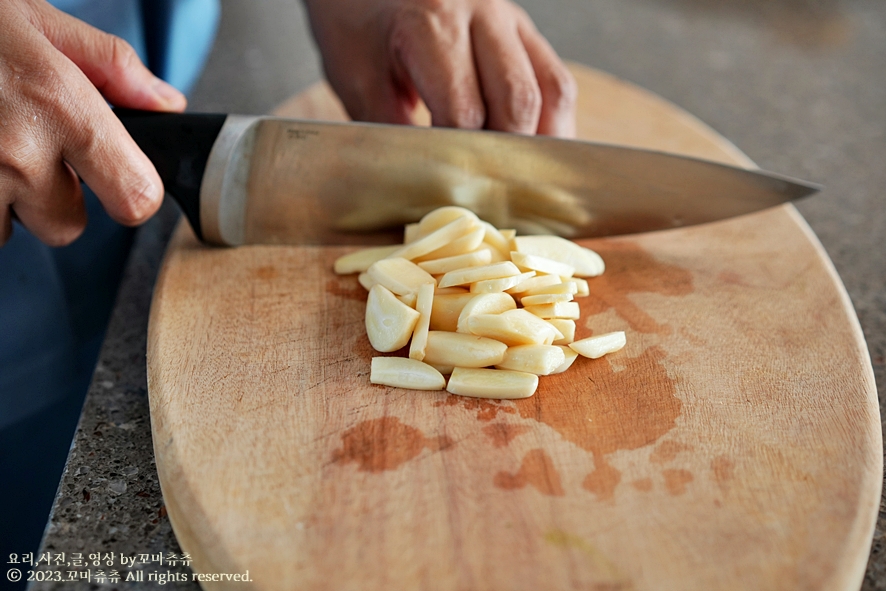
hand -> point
(475, 63)
(56, 73)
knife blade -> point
(269, 180)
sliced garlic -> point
(454, 288)
(600, 345)
(399, 275)
(447, 264)
(545, 298)
(495, 239)
(486, 303)
(492, 383)
(389, 322)
(408, 299)
(444, 215)
(411, 233)
(436, 239)
(585, 261)
(570, 357)
(462, 350)
(361, 260)
(541, 360)
(482, 273)
(569, 286)
(581, 285)
(467, 243)
(534, 282)
(508, 234)
(502, 284)
(423, 305)
(514, 327)
(366, 281)
(541, 264)
(566, 328)
(398, 372)
(495, 255)
(447, 308)
(569, 310)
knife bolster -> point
(223, 194)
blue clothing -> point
(55, 302)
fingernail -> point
(169, 94)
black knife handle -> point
(178, 144)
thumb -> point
(109, 62)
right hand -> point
(475, 64)
(56, 74)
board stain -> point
(502, 434)
(676, 480)
(667, 451)
(603, 480)
(609, 411)
(538, 470)
(724, 471)
(630, 270)
(386, 443)
(487, 410)
(266, 273)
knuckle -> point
(137, 203)
(432, 7)
(121, 55)
(423, 23)
(410, 27)
(465, 113)
(22, 160)
(561, 90)
(79, 136)
(25, 163)
(523, 103)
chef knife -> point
(268, 180)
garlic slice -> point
(398, 372)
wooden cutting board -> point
(734, 443)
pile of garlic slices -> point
(467, 297)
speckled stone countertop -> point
(798, 85)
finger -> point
(558, 88)
(513, 98)
(110, 63)
(435, 54)
(54, 211)
(370, 93)
(88, 135)
(98, 147)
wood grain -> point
(733, 444)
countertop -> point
(798, 85)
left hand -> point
(475, 63)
